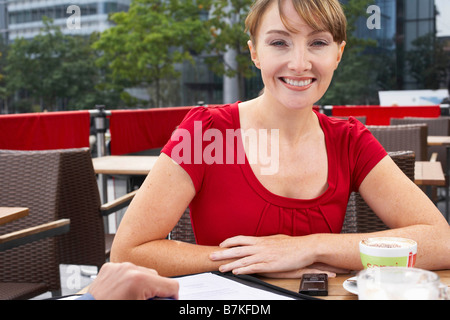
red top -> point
(231, 201)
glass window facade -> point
(402, 22)
(59, 11)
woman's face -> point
(296, 68)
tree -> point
(355, 80)
(428, 62)
(148, 40)
(3, 91)
(55, 70)
(228, 50)
(1, 76)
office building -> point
(23, 18)
(401, 23)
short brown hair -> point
(326, 15)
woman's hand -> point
(279, 254)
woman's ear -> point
(253, 54)
(341, 48)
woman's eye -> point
(319, 43)
(278, 43)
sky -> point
(443, 20)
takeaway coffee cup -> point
(388, 252)
(397, 283)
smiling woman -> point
(288, 222)
(296, 54)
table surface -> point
(124, 165)
(438, 140)
(336, 290)
(426, 172)
(429, 173)
(8, 214)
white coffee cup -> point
(399, 283)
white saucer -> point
(350, 285)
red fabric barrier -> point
(45, 131)
(377, 115)
(138, 130)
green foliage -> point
(56, 71)
(1, 76)
(148, 40)
(227, 25)
(355, 80)
(428, 62)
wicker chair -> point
(359, 217)
(32, 268)
(87, 244)
(76, 197)
(403, 137)
(73, 195)
(183, 230)
(436, 127)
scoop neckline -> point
(278, 199)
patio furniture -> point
(411, 137)
(436, 127)
(30, 267)
(359, 217)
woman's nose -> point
(299, 61)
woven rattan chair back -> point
(80, 202)
(29, 179)
(76, 197)
(359, 217)
(436, 127)
(411, 137)
(183, 229)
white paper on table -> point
(209, 286)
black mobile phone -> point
(314, 284)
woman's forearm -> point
(169, 257)
(173, 258)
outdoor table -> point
(8, 214)
(336, 290)
(439, 140)
(443, 141)
(124, 165)
(426, 172)
(429, 173)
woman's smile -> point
(299, 84)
